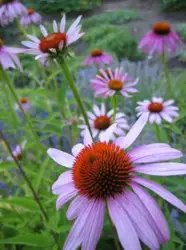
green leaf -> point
(35, 240)
(26, 203)
(7, 165)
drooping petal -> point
(125, 230)
(162, 192)
(125, 142)
(63, 179)
(94, 226)
(67, 192)
(77, 205)
(153, 213)
(76, 235)
(141, 224)
(61, 157)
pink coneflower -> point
(158, 110)
(18, 152)
(100, 121)
(162, 38)
(108, 83)
(11, 9)
(26, 105)
(32, 17)
(98, 57)
(8, 57)
(104, 173)
(54, 43)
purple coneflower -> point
(108, 83)
(100, 121)
(162, 38)
(26, 105)
(9, 10)
(98, 57)
(8, 57)
(32, 17)
(53, 43)
(158, 110)
(107, 174)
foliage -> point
(173, 4)
(115, 40)
(115, 17)
(49, 6)
(181, 29)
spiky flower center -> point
(1, 43)
(96, 52)
(115, 84)
(52, 41)
(30, 11)
(23, 100)
(162, 28)
(102, 122)
(155, 107)
(102, 170)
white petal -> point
(87, 138)
(62, 24)
(106, 135)
(55, 26)
(43, 30)
(61, 157)
(77, 149)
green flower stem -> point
(11, 88)
(114, 105)
(71, 84)
(11, 108)
(21, 29)
(167, 76)
(158, 136)
(29, 183)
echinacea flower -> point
(100, 121)
(26, 105)
(104, 173)
(11, 9)
(32, 17)
(8, 57)
(18, 152)
(52, 44)
(158, 110)
(160, 39)
(108, 83)
(98, 57)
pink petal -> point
(67, 193)
(76, 235)
(153, 213)
(77, 205)
(125, 142)
(106, 135)
(140, 222)
(162, 169)
(145, 154)
(63, 179)
(126, 232)
(162, 192)
(61, 157)
(94, 226)
(87, 138)
(77, 149)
